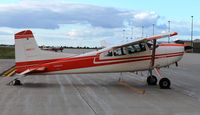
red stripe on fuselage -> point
(172, 45)
(38, 62)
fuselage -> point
(136, 57)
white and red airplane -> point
(138, 55)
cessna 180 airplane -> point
(138, 55)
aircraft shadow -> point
(40, 85)
(112, 84)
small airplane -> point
(139, 55)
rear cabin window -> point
(108, 54)
(120, 51)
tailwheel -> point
(15, 82)
(152, 80)
(164, 83)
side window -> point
(117, 52)
(142, 46)
(136, 48)
(131, 49)
(108, 54)
(120, 51)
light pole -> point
(131, 24)
(169, 30)
(123, 33)
(192, 33)
(153, 28)
(132, 32)
(142, 31)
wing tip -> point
(173, 34)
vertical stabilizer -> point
(27, 52)
(26, 47)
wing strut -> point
(153, 55)
(152, 78)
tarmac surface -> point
(103, 94)
(78, 51)
(5, 64)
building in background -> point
(188, 45)
(196, 46)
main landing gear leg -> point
(121, 77)
(164, 83)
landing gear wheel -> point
(164, 83)
(152, 80)
(17, 82)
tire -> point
(17, 82)
(152, 80)
(164, 83)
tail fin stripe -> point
(24, 34)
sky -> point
(89, 22)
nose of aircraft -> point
(179, 49)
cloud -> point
(5, 33)
(50, 15)
(184, 28)
(89, 32)
(145, 19)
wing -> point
(159, 36)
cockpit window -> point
(150, 45)
(131, 49)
